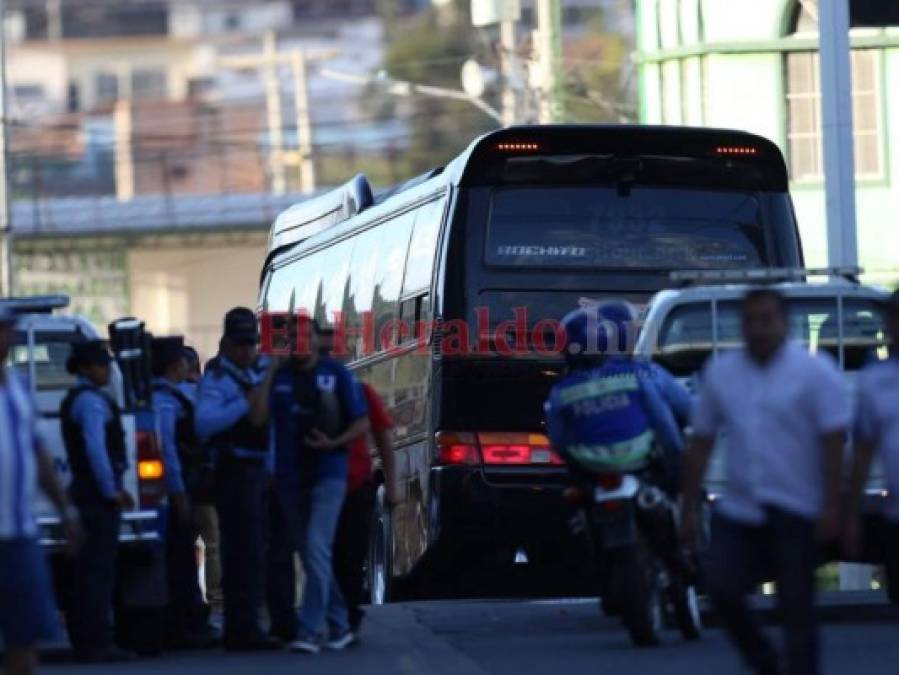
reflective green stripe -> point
(620, 455)
(599, 387)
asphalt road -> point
(526, 637)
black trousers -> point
(187, 613)
(89, 612)
(740, 557)
(281, 582)
(241, 487)
(351, 549)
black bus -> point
(515, 231)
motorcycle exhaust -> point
(650, 498)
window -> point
(686, 337)
(653, 228)
(51, 351)
(389, 271)
(107, 85)
(804, 108)
(422, 249)
(335, 283)
(149, 84)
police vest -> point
(243, 434)
(608, 427)
(83, 479)
(190, 449)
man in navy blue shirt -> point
(316, 408)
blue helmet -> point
(589, 329)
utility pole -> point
(548, 44)
(7, 276)
(509, 62)
(124, 150)
(836, 114)
(270, 61)
(273, 109)
(304, 121)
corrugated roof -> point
(79, 216)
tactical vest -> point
(190, 449)
(243, 434)
(84, 482)
(610, 430)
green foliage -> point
(430, 48)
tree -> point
(429, 48)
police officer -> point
(175, 418)
(877, 431)
(609, 398)
(227, 416)
(95, 446)
(27, 610)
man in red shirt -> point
(354, 527)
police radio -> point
(130, 344)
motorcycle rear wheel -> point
(639, 597)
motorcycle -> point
(645, 577)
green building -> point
(753, 64)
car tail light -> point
(495, 449)
(517, 449)
(456, 449)
(150, 470)
(610, 481)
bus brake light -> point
(736, 150)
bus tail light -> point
(517, 449)
(150, 471)
(457, 448)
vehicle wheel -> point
(640, 598)
(686, 611)
(380, 551)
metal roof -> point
(147, 214)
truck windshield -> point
(686, 338)
(51, 351)
(646, 228)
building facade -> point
(755, 66)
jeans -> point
(317, 512)
(740, 557)
(89, 612)
(351, 548)
(240, 496)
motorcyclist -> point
(612, 409)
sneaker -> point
(341, 640)
(305, 644)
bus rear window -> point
(645, 228)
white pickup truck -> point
(681, 328)
(41, 345)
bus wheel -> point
(380, 552)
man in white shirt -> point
(877, 431)
(785, 414)
(27, 609)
